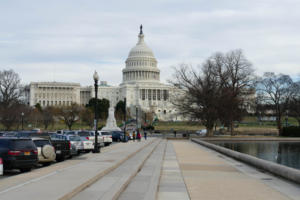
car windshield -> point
(22, 144)
(41, 143)
(75, 138)
(83, 133)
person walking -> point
(133, 136)
(174, 133)
(145, 135)
(139, 136)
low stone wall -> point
(280, 170)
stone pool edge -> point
(277, 169)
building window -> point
(166, 94)
(149, 94)
(158, 95)
(143, 94)
(154, 94)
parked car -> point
(1, 166)
(107, 137)
(18, 153)
(88, 145)
(118, 136)
(76, 144)
(46, 152)
(89, 135)
(99, 138)
(64, 138)
(61, 145)
(201, 132)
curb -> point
(86, 184)
(277, 169)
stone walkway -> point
(171, 184)
(209, 177)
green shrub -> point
(291, 131)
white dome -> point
(141, 49)
(141, 64)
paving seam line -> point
(98, 176)
(155, 177)
(277, 169)
(161, 169)
(123, 187)
(181, 172)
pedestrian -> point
(174, 133)
(139, 136)
(133, 136)
(145, 135)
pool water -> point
(284, 153)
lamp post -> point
(22, 118)
(96, 147)
(124, 139)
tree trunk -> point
(210, 132)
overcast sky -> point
(66, 40)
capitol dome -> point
(141, 64)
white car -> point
(99, 138)
(1, 166)
(107, 137)
(46, 152)
(88, 145)
(201, 132)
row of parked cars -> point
(24, 150)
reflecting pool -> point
(284, 153)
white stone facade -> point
(141, 87)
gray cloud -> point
(68, 40)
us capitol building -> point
(141, 87)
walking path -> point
(171, 184)
(210, 177)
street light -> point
(96, 147)
(22, 117)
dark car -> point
(118, 136)
(18, 153)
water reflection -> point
(285, 153)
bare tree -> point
(202, 89)
(48, 116)
(236, 77)
(9, 87)
(87, 116)
(69, 114)
(276, 90)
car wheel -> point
(27, 169)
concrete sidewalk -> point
(209, 177)
(65, 182)
(171, 185)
